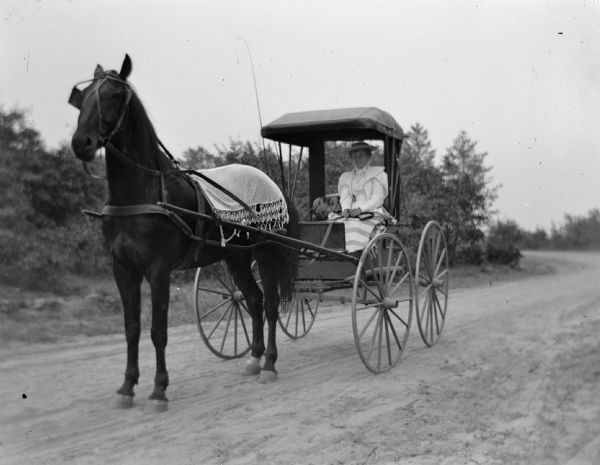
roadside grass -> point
(93, 307)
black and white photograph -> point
(337, 232)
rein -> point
(105, 142)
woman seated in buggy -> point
(362, 192)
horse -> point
(146, 241)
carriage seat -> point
(323, 206)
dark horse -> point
(145, 242)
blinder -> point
(76, 97)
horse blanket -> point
(255, 188)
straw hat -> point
(361, 146)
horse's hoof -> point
(267, 376)
(121, 401)
(251, 367)
(156, 406)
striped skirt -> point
(358, 232)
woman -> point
(361, 190)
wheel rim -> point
(222, 317)
(297, 316)
(381, 320)
(431, 283)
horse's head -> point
(103, 105)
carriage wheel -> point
(382, 303)
(222, 315)
(297, 316)
(431, 276)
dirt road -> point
(515, 379)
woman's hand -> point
(354, 212)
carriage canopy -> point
(304, 127)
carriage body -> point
(384, 288)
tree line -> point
(44, 237)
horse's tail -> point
(289, 265)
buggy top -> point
(312, 129)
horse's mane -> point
(144, 134)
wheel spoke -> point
(435, 314)
(439, 306)
(227, 326)
(424, 308)
(395, 269)
(370, 320)
(442, 274)
(398, 317)
(219, 322)
(215, 308)
(439, 263)
(244, 325)
(387, 338)
(235, 328)
(376, 304)
(427, 315)
(394, 330)
(437, 245)
(375, 277)
(289, 308)
(429, 286)
(312, 315)
(374, 335)
(398, 284)
(369, 290)
(212, 291)
(225, 284)
(303, 318)
(430, 314)
(379, 342)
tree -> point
(468, 196)
(42, 232)
(422, 182)
(199, 158)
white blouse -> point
(365, 189)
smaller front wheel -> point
(431, 278)
(382, 303)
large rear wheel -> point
(382, 303)
(431, 277)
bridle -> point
(78, 102)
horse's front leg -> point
(159, 287)
(128, 281)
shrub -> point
(469, 254)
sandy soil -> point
(515, 379)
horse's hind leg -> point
(159, 286)
(270, 280)
(128, 280)
(240, 268)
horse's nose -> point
(83, 146)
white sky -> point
(498, 69)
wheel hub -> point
(237, 296)
(389, 303)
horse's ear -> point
(99, 70)
(125, 68)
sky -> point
(522, 78)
